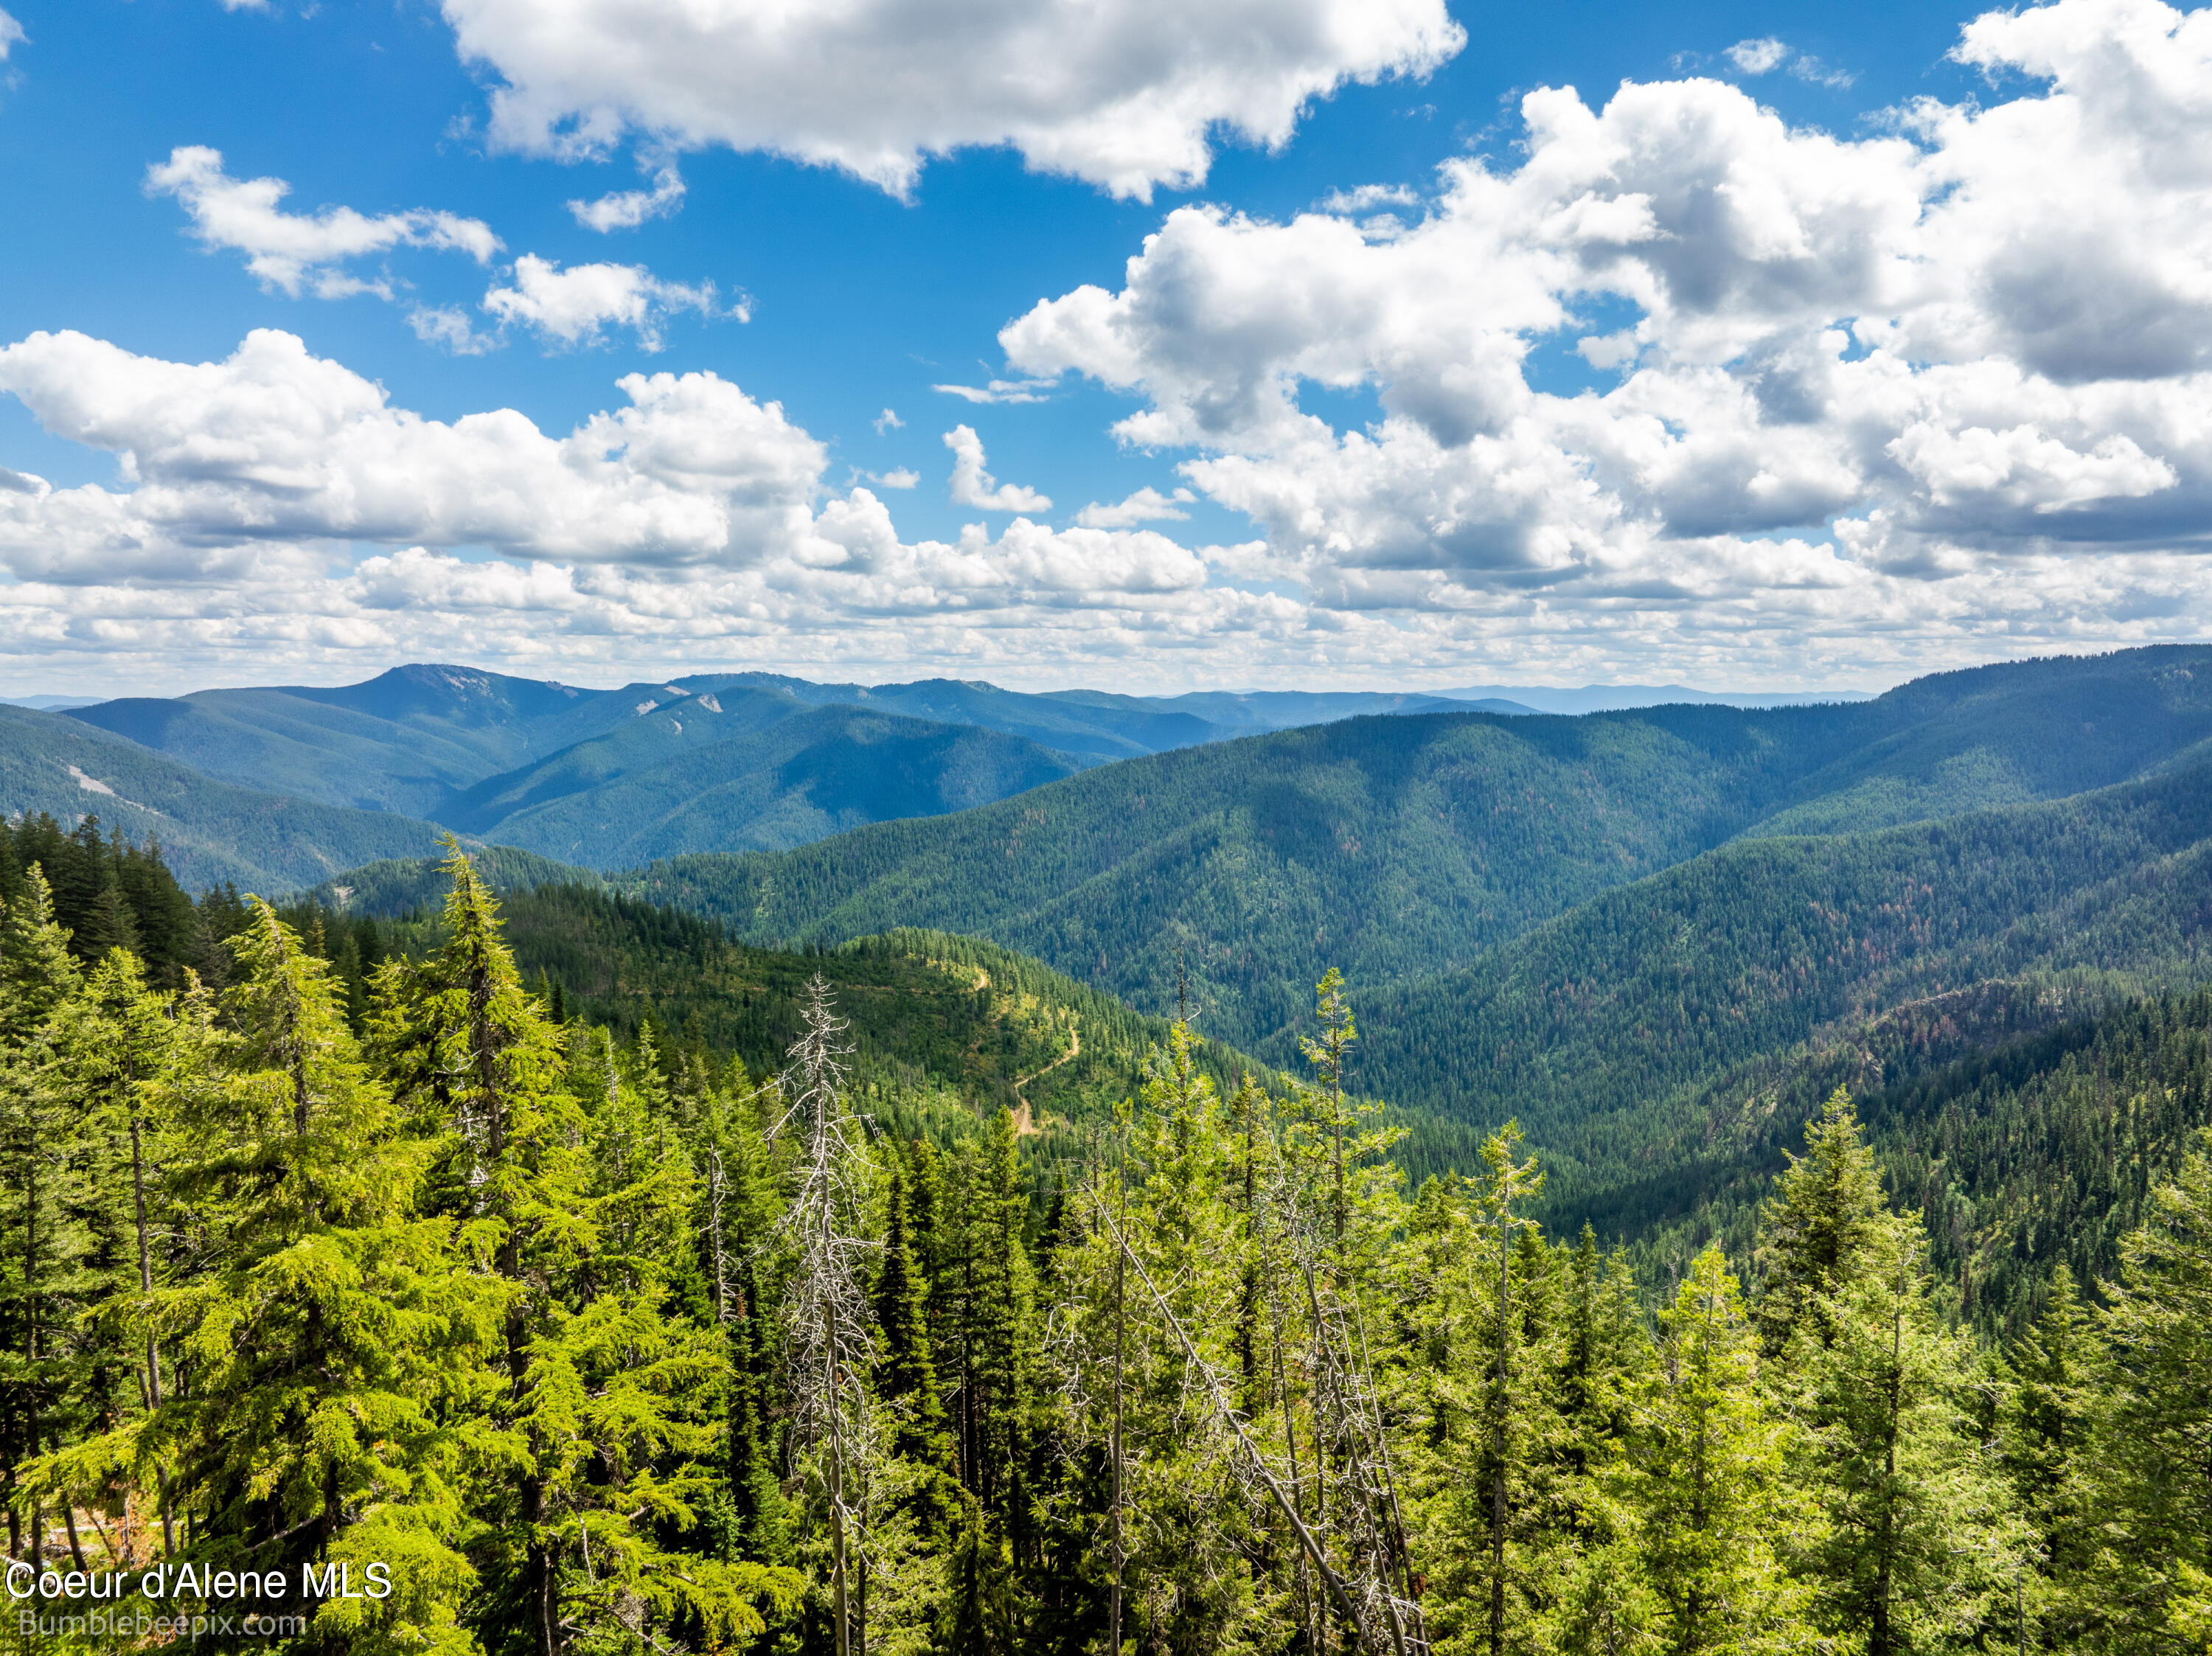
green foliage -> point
(946, 1031)
(210, 831)
(1711, 1480)
(694, 780)
(351, 1250)
(1406, 847)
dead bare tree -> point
(827, 1340)
(1357, 1505)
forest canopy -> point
(580, 1333)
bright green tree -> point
(1824, 1223)
(1919, 1551)
(324, 1340)
(38, 976)
(2147, 1587)
(1710, 1483)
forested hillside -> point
(1582, 1026)
(372, 1251)
(1401, 848)
(2027, 1123)
(209, 831)
(606, 803)
(947, 1030)
(449, 743)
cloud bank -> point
(1955, 369)
(1681, 387)
(1125, 94)
(692, 522)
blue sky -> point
(1364, 496)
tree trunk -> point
(1497, 1452)
(1114, 1603)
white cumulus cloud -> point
(274, 446)
(576, 306)
(1126, 93)
(1147, 504)
(625, 209)
(11, 34)
(293, 251)
(973, 486)
(1677, 389)
(274, 509)
(1962, 355)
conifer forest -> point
(363, 1285)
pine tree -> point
(2148, 1586)
(1710, 1483)
(1918, 1548)
(1823, 1225)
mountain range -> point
(707, 762)
(1412, 846)
(1655, 935)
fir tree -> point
(1709, 1482)
(905, 1376)
(1510, 1411)
(38, 976)
(1822, 1226)
(2148, 1587)
(2043, 1421)
(1918, 1547)
(323, 1334)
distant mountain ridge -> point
(1402, 847)
(707, 761)
(209, 831)
(1622, 698)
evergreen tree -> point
(324, 1337)
(1919, 1549)
(38, 977)
(737, 1203)
(2043, 1421)
(2148, 1586)
(1710, 1483)
(105, 1054)
(1605, 1362)
(906, 1378)
(597, 1400)
(1822, 1227)
(1512, 1423)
